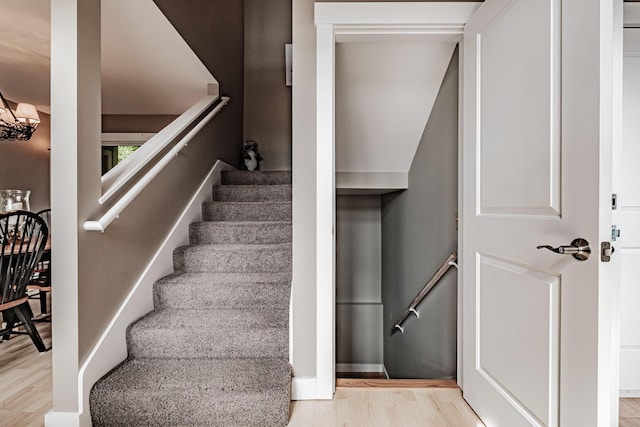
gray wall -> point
(358, 280)
(418, 234)
(267, 100)
(24, 165)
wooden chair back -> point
(23, 237)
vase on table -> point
(14, 200)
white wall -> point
(358, 280)
(384, 94)
(304, 195)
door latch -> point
(606, 250)
(615, 232)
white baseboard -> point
(62, 419)
(629, 371)
(360, 367)
(629, 393)
(111, 348)
(304, 388)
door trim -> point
(347, 22)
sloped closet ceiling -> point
(384, 95)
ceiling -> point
(147, 68)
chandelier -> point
(19, 125)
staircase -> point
(214, 351)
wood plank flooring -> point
(25, 380)
(629, 412)
(25, 397)
(386, 407)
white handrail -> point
(113, 213)
(118, 177)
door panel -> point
(520, 118)
(524, 330)
(537, 325)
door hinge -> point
(614, 201)
(606, 250)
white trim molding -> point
(304, 388)
(125, 138)
(346, 22)
(387, 181)
(361, 367)
(64, 419)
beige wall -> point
(24, 165)
(214, 29)
(267, 100)
(304, 184)
(135, 123)
(111, 262)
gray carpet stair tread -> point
(260, 317)
(246, 211)
(214, 351)
(237, 278)
(204, 293)
(253, 193)
(233, 257)
(245, 232)
(203, 392)
(210, 333)
(255, 177)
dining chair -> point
(23, 238)
(40, 283)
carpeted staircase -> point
(215, 350)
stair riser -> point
(232, 296)
(252, 193)
(211, 259)
(246, 211)
(221, 233)
(215, 344)
(255, 178)
(191, 409)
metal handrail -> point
(115, 210)
(119, 176)
(450, 261)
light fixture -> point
(19, 125)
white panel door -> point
(536, 171)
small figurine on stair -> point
(251, 158)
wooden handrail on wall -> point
(145, 159)
(449, 262)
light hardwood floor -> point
(25, 380)
(25, 397)
(386, 407)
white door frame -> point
(343, 22)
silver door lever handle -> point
(579, 249)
